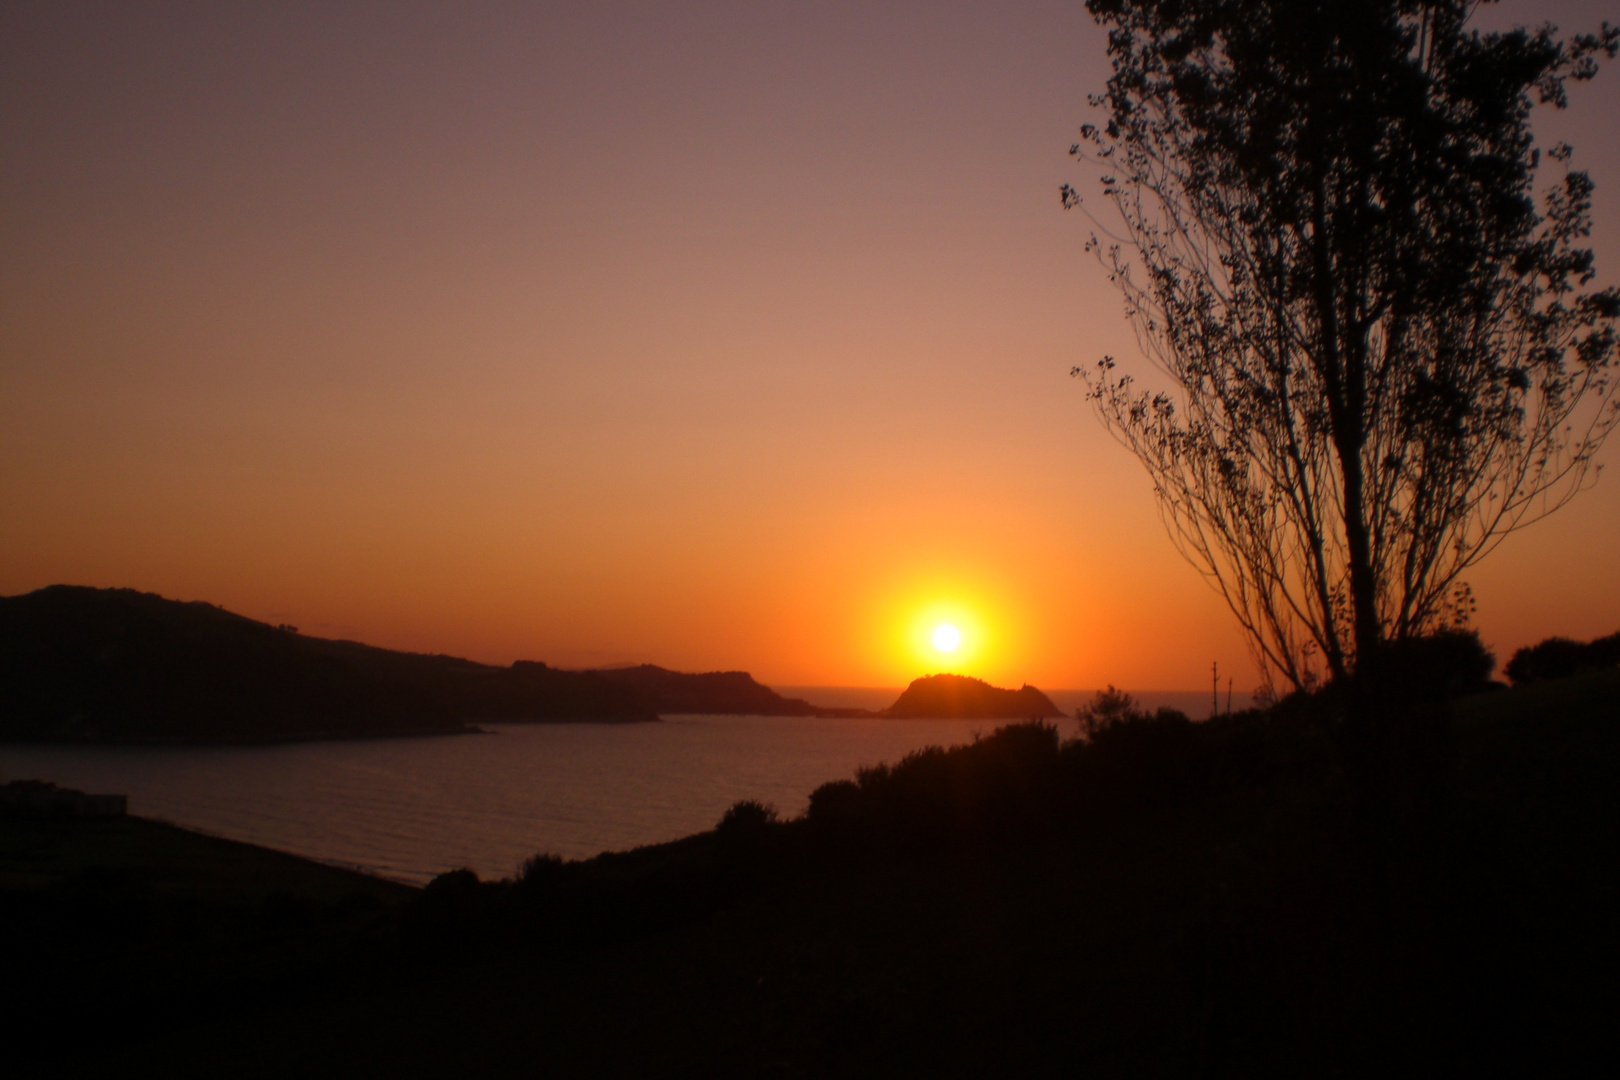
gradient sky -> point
(717, 335)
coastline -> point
(43, 852)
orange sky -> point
(734, 336)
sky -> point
(712, 335)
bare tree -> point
(1377, 352)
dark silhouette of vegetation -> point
(1163, 897)
(1377, 353)
(747, 817)
(116, 665)
(1111, 708)
(1559, 658)
(540, 871)
(967, 698)
(1440, 666)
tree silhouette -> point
(1377, 352)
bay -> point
(409, 809)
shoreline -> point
(41, 851)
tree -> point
(1377, 352)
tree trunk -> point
(1363, 586)
(1345, 364)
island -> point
(961, 697)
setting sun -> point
(941, 618)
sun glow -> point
(911, 622)
(944, 635)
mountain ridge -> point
(82, 664)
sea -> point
(410, 809)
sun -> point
(937, 632)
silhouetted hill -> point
(117, 665)
(715, 692)
(1236, 897)
(958, 696)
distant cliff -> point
(715, 692)
(957, 696)
(116, 665)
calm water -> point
(412, 808)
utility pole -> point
(1214, 687)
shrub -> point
(1107, 708)
(835, 805)
(1447, 664)
(1558, 658)
(540, 872)
(746, 817)
(452, 883)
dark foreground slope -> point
(1229, 898)
(958, 696)
(116, 665)
(120, 929)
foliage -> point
(746, 816)
(1105, 709)
(1438, 666)
(1558, 658)
(540, 872)
(1379, 353)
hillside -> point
(957, 696)
(115, 665)
(1169, 899)
(734, 693)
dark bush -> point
(1107, 708)
(441, 922)
(746, 817)
(448, 898)
(835, 806)
(540, 873)
(1139, 752)
(1433, 667)
(1558, 658)
(450, 885)
(934, 795)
